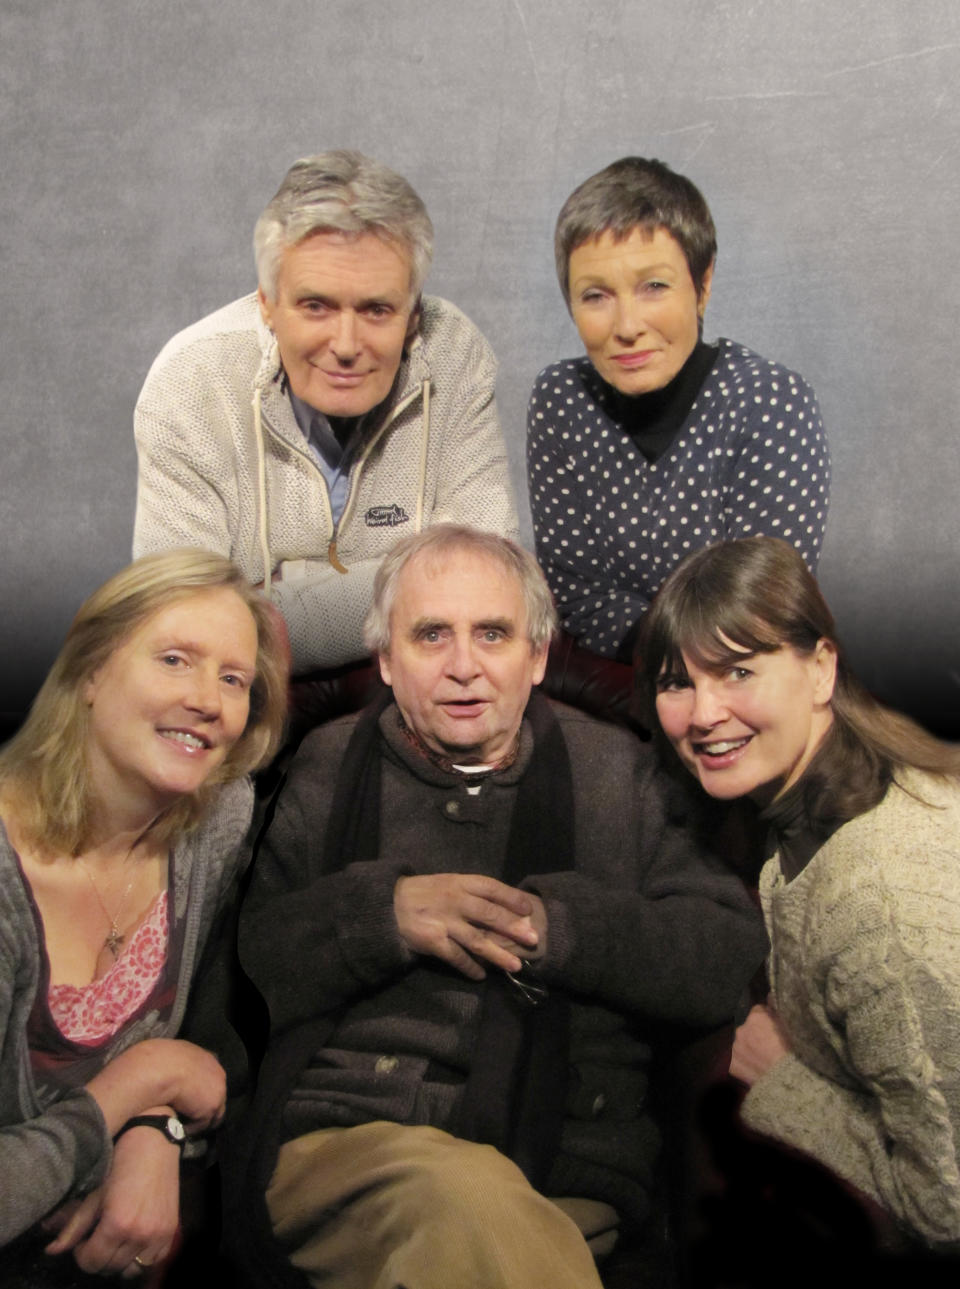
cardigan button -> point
(599, 1101)
(386, 1064)
(452, 808)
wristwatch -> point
(168, 1124)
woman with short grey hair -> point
(656, 443)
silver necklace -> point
(114, 938)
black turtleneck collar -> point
(652, 420)
(791, 832)
(802, 819)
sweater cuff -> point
(325, 612)
(80, 1115)
(793, 1104)
(560, 936)
(369, 940)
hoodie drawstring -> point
(262, 495)
(424, 444)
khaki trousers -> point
(384, 1206)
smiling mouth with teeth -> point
(187, 739)
(725, 745)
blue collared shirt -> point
(334, 461)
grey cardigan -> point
(56, 1144)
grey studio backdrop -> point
(141, 139)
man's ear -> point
(413, 322)
(540, 662)
(266, 308)
(383, 662)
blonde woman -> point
(123, 801)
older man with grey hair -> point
(301, 430)
(470, 912)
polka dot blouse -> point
(751, 457)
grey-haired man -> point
(469, 914)
(303, 429)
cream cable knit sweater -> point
(865, 974)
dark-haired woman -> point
(656, 444)
(856, 1057)
(123, 803)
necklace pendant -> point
(114, 940)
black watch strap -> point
(168, 1124)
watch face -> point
(175, 1129)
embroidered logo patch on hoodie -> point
(386, 516)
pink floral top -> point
(90, 1013)
(72, 1029)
